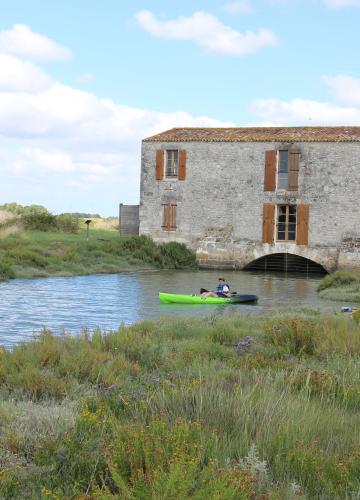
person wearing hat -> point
(222, 290)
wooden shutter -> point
(182, 165)
(270, 170)
(169, 217)
(302, 216)
(172, 217)
(268, 222)
(294, 157)
(159, 171)
(166, 216)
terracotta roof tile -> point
(259, 134)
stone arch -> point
(287, 261)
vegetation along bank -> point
(341, 285)
(233, 408)
(35, 243)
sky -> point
(82, 82)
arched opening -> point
(285, 262)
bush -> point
(67, 223)
(38, 218)
(296, 336)
(337, 279)
(6, 272)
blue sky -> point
(82, 82)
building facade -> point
(236, 196)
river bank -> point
(33, 254)
(235, 407)
(341, 285)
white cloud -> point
(22, 42)
(238, 7)
(207, 32)
(305, 112)
(345, 89)
(21, 76)
(344, 110)
(85, 78)
(68, 149)
(335, 4)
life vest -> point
(220, 288)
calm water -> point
(73, 303)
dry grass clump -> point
(9, 224)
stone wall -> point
(129, 220)
(220, 203)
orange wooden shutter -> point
(159, 171)
(270, 170)
(294, 157)
(302, 216)
(172, 224)
(166, 216)
(169, 217)
(268, 222)
(182, 165)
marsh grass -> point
(41, 254)
(341, 285)
(171, 409)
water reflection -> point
(73, 303)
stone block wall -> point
(220, 203)
(129, 220)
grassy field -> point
(236, 407)
(39, 254)
(341, 285)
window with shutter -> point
(175, 164)
(268, 222)
(182, 165)
(303, 224)
(281, 170)
(286, 223)
(169, 217)
(270, 170)
(293, 176)
(172, 163)
(159, 169)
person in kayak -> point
(222, 290)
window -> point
(283, 170)
(286, 223)
(172, 163)
(169, 217)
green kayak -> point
(176, 298)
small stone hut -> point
(254, 197)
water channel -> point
(70, 304)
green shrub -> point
(338, 278)
(163, 460)
(6, 271)
(67, 223)
(21, 255)
(177, 255)
(294, 336)
(39, 221)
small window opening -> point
(286, 223)
(283, 170)
(172, 163)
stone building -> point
(282, 198)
